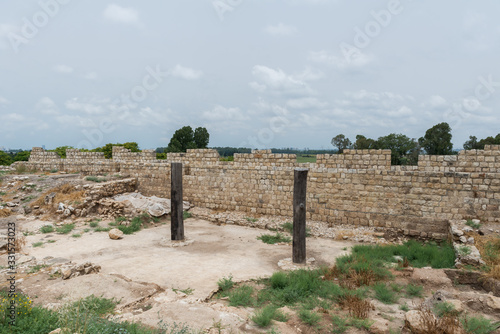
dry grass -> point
(430, 324)
(65, 193)
(5, 212)
(20, 243)
(357, 307)
(489, 247)
(353, 279)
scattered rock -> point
(115, 234)
(80, 270)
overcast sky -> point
(260, 74)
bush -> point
(273, 239)
(241, 296)
(309, 317)
(383, 294)
(226, 283)
(472, 224)
(444, 309)
(414, 290)
(264, 316)
(479, 325)
(47, 229)
(65, 229)
(96, 179)
(279, 280)
(339, 325)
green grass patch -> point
(2, 193)
(288, 227)
(417, 254)
(339, 325)
(273, 239)
(309, 317)
(443, 309)
(264, 316)
(38, 244)
(96, 179)
(472, 224)
(94, 224)
(185, 215)
(384, 294)
(102, 229)
(47, 229)
(76, 235)
(251, 220)
(37, 268)
(65, 229)
(479, 325)
(226, 283)
(414, 290)
(241, 296)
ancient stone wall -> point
(358, 187)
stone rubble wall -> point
(359, 187)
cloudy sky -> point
(260, 74)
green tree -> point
(437, 140)
(61, 151)
(363, 143)
(201, 137)
(402, 148)
(472, 144)
(5, 159)
(185, 138)
(22, 156)
(341, 143)
(108, 148)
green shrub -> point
(339, 325)
(96, 179)
(383, 294)
(65, 229)
(361, 323)
(444, 308)
(309, 317)
(472, 224)
(225, 283)
(241, 296)
(414, 290)
(279, 280)
(264, 316)
(76, 235)
(418, 254)
(186, 215)
(47, 229)
(273, 239)
(479, 325)
(94, 224)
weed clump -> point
(273, 239)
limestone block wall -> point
(358, 187)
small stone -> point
(463, 239)
(115, 234)
(345, 237)
(470, 240)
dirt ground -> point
(146, 265)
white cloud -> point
(13, 117)
(220, 113)
(65, 69)
(186, 73)
(5, 30)
(435, 102)
(280, 29)
(90, 76)
(47, 107)
(276, 81)
(117, 13)
(92, 107)
(3, 100)
(341, 63)
(306, 103)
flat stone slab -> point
(287, 264)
